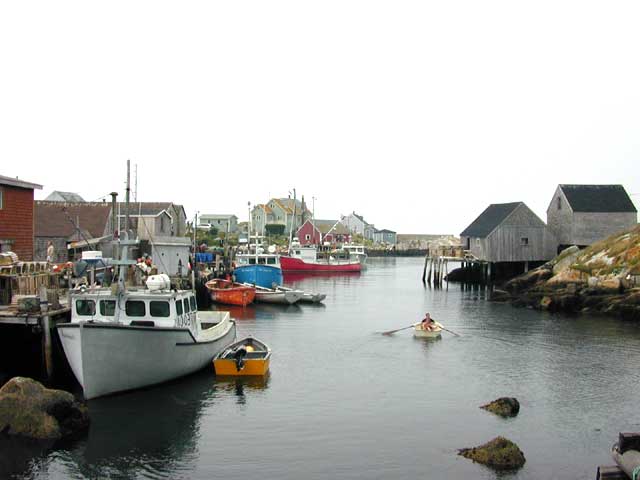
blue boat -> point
(262, 269)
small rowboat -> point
(419, 331)
(307, 297)
(268, 295)
(248, 356)
(230, 293)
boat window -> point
(179, 307)
(85, 307)
(186, 305)
(252, 261)
(261, 260)
(192, 301)
(107, 308)
(158, 308)
(271, 260)
(135, 308)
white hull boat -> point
(307, 297)
(111, 357)
(277, 296)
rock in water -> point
(499, 454)
(28, 409)
(503, 406)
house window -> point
(477, 242)
(307, 237)
(524, 241)
(559, 204)
(162, 224)
(0, 198)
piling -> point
(47, 347)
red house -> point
(16, 217)
(317, 232)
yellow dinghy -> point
(248, 356)
(435, 332)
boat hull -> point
(290, 264)
(229, 293)
(279, 297)
(225, 367)
(419, 332)
(108, 357)
(261, 275)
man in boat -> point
(428, 323)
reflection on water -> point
(343, 401)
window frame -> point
(103, 308)
(126, 308)
(88, 301)
(165, 314)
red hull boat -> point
(230, 293)
(292, 264)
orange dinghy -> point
(230, 293)
(246, 357)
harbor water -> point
(343, 401)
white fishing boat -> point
(356, 252)
(121, 339)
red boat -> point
(230, 293)
(309, 259)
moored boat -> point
(230, 293)
(309, 259)
(356, 252)
(262, 269)
(248, 356)
(307, 297)
(124, 339)
(269, 295)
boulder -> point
(528, 280)
(27, 409)
(565, 259)
(499, 454)
(503, 406)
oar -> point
(447, 330)
(398, 329)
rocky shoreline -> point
(599, 279)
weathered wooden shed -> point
(584, 214)
(509, 233)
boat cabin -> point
(259, 259)
(141, 308)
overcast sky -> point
(415, 114)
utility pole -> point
(114, 247)
(128, 191)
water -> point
(343, 401)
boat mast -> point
(293, 219)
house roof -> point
(323, 226)
(15, 182)
(287, 205)
(488, 220)
(51, 219)
(598, 198)
(384, 230)
(65, 196)
(264, 207)
(216, 216)
(147, 208)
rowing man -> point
(427, 323)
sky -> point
(415, 114)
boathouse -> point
(510, 237)
(223, 223)
(384, 237)
(584, 214)
(317, 232)
(16, 216)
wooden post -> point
(430, 266)
(526, 266)
(488, 272)
(46, 334)
(424, 270)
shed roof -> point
(65, 196)
(147, 208)
(51, 219)
(598, 198)
(15, 182)
(488, 220)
